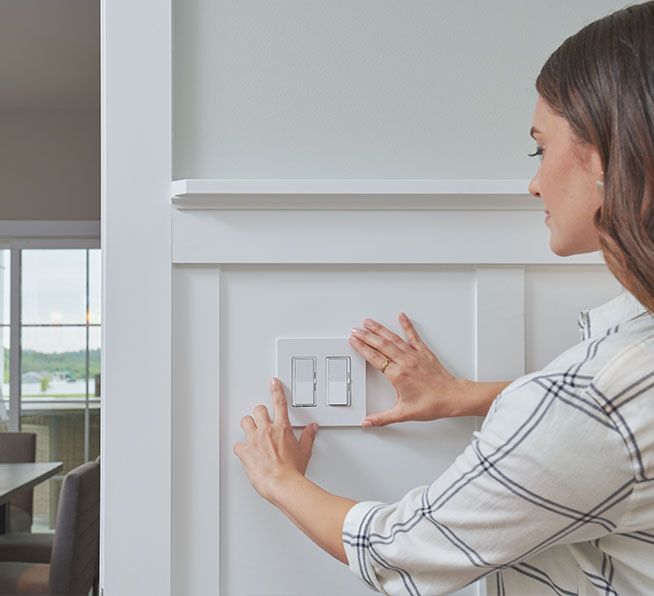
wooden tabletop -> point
(17, 477)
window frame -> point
(15, 245)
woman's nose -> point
(534, 188)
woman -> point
(556, 493)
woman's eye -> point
(538, 152)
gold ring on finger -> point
(385, 365)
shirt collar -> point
(595, 322)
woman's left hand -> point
(272, 454)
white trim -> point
(136, 170)
(14, 343)
(196, 407)
(48, 229)
(358, 237)
(500, 313)
(54, 243)
(352, 194)
(307, 186)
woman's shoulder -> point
(600, 395)
(630, 361)
(624, 389)
(580, 365)
(589, 356)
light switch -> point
(303, 373)
(338, 381)
(324, 379)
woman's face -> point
(566, 181)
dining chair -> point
(73, 560)
(19, 448)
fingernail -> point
(315, 427)
(368, 322)
(366, 423)
(274, 381)
(403, 316)
(356, 330)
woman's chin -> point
(559, 249)
(566, 250)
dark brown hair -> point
(601, 80)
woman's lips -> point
(547, 216)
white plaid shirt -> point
(555, 494)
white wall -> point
(303, 89)
(340, 89)
(49, 164)
(365, 89)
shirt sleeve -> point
(533, 477)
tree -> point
(45, 383)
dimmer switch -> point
(303, 373)
(338, 381)
(324, 380)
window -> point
(57, 332)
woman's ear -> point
(596, 169)
(594, 162)
(600, 184)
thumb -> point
(383, 418)
(308, 436)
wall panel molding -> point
(195, 448)
(383, 237)
(211, 247)
(500, 325)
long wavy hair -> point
(601, 80)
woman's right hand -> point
(425, 389)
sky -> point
(54, 291)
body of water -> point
(56, 388)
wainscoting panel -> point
(242, 279)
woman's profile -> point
(555, 494)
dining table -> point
(16, 477)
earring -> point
(600, 184)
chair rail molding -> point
(368, 194)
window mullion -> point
(86, 402)
(15, 342)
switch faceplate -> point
(324, 380)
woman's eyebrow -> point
(532, 131)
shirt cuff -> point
(356, 530)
